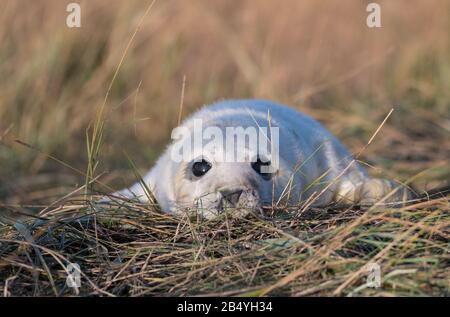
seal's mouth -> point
(236, 202)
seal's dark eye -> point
(257, 166)
(201, 168)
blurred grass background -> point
(317, 56)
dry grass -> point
(129, 249)
(317, 56)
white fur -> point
(303, 142)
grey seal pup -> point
(206, 170)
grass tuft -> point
(125, 248)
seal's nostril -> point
(231, 196)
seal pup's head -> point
(210, 187)
(230, 157)
(220, 172)
(223, 173)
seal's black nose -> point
(231, 196)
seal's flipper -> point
(373, 190)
